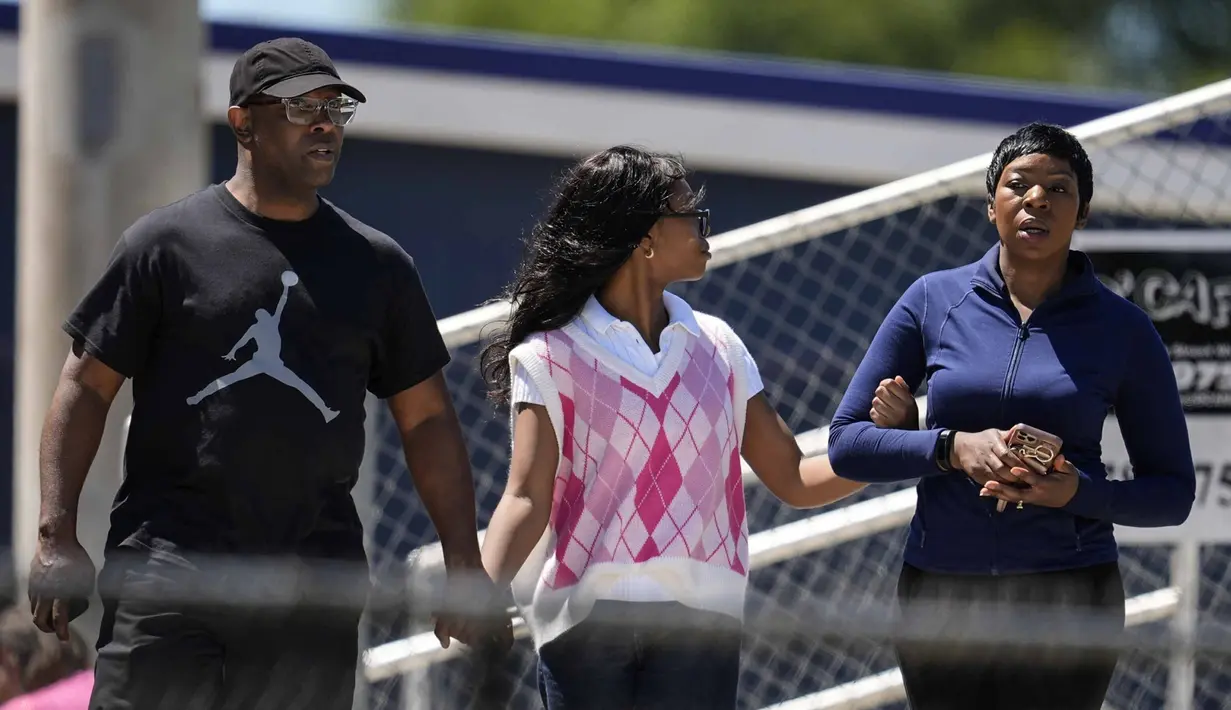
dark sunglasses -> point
(303, 110)
(702, 217)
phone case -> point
(1032, 445)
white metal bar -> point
(831, 529)
(864, 694)
(1186, 577)
(417, 653)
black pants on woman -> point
(943, 674)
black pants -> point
(983, 674)
(172, 654)
(690, 661)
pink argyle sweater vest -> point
(649, 481)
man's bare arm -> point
(72, 432)
(61, 573)
(440, 466)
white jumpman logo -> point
(267, 360)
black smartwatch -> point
(944, 449)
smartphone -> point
(1035, 447)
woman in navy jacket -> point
(1027, 334)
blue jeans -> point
(598, 665)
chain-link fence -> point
(806, 292)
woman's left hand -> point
(1053, 489)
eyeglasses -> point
(303, 110)
(702, 217)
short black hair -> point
(1046, 139)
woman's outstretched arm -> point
(771, 450)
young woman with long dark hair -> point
(630, 412)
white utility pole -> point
(110, 128)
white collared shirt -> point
(621, 339)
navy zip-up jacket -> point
(1083, 352)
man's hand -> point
(985, 457)
(440, 466)
(61, 580)
(893, 406)
(481, 622)
(1053, 489)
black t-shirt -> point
(250, 343)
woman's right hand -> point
(984, 456)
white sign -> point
(1210, 520)
(1182, 279)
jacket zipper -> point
(1023, 332)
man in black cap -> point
(252, 317)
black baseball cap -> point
(284, 68)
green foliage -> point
(1155, 45)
